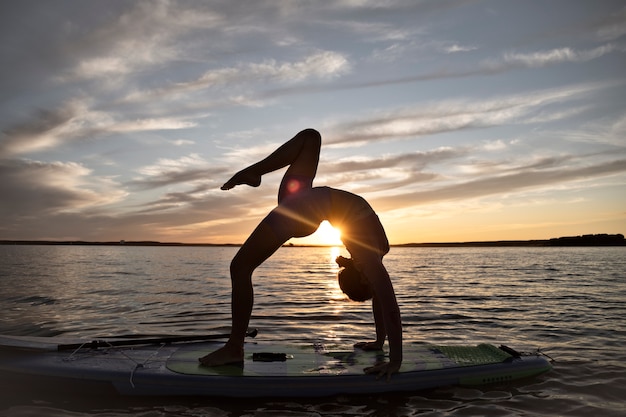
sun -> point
(326, 234)
(329, 234)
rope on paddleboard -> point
(140, 365)
(73, 355)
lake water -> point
(569, 302)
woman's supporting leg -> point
(261, 244)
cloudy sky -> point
(458, 120)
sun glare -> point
(325, 235)
(328, 235)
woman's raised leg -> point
(301, 154)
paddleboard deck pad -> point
(268, 370)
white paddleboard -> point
(269, 369)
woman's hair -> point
(351, 282)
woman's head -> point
(351, 282)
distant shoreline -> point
(585, 240)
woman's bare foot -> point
(223, 356)
(246, 177)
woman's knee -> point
(243, 263)
(312, 136)
(261, 244)
(240, 269)
(311, 133)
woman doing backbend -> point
(301, 208)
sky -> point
(457, 120)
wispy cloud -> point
(606, 131)
(416, 49)
(553, 56)
(143, 37)
(508, 61)
(611, 28)
(188, 169)
(49, 128)
(34, 188)
(76, 121)
(319, 65)
(521, 180)
(455, 115)
(604, 27)
(418, 160)
(454, 48)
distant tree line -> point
(584, 240)
(589, 240)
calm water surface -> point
(569, 302)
